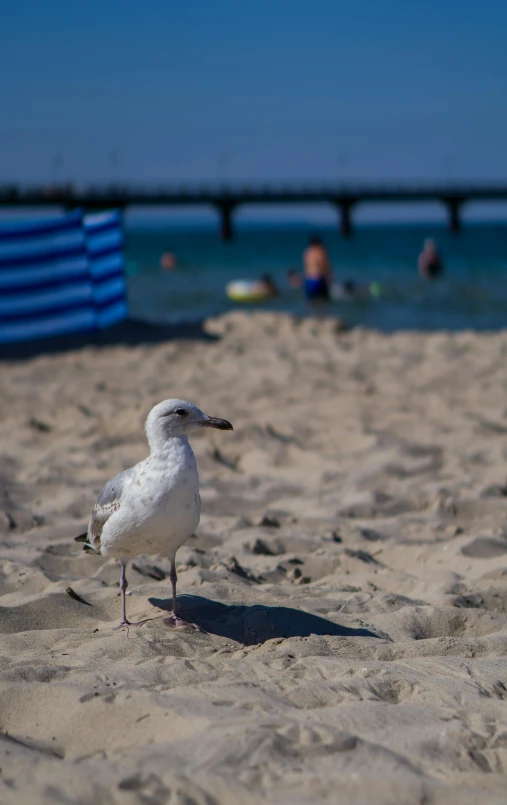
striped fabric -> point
(104, 243)
(60, 276)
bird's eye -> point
(181, 412)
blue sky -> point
(288, 90)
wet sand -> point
(349, 573)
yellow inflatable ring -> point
(246, 291)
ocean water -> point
(472, 293)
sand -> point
(350, 571)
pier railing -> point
(226, 198)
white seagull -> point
(155, 506)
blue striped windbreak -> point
(61, 275)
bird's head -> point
(172, 418)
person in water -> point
(317, 271)
(350, 290)
(168, 261)
(429, 262)
(294, 278)
(267, 285)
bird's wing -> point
(108, 501)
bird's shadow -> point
(251, 625)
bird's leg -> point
(174, 619)
(123, 590)
(174, 579)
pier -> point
(226, 199)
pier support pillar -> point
(225, 210)
(345, 218)
(454, 208)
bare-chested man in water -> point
(317, 270)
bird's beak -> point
(214, 422)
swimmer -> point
(429, 262)
(267, 285)
(317, 271)
(294, 278)
(251, 290)
(356, 290)
(168, 261)
(349, 289)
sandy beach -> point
(349, 573)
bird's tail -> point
(84, 538)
